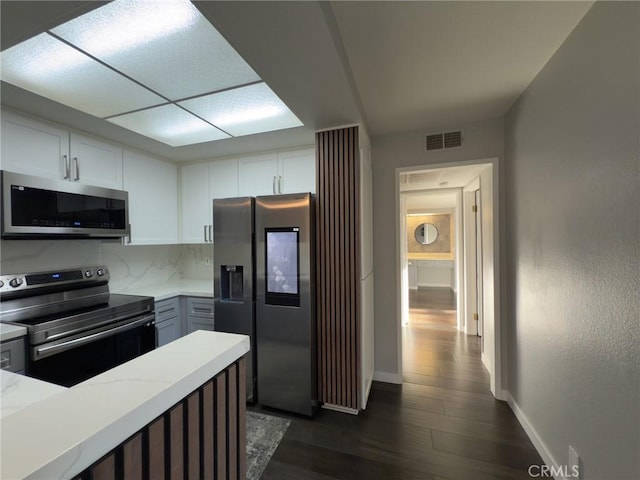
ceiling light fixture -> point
(156, 67)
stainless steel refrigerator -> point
(264, 287)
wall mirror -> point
(426, 233)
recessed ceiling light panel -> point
(48, 67)
(169, 124)
(165, 44)
(244, 111)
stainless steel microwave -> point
(38, 207)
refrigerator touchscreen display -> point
(282, 266)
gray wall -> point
(482, 140)
(572, 199)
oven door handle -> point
(45, 351)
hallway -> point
(441, 424)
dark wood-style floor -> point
(442, 423)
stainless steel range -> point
(76, 328)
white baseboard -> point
(537, 441)
(387, 377)
(338, 408)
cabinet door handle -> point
(205, 234)
(279, 184)
(67, 167)
(274, 185)
(210, 233)
(77, 177)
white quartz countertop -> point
(162, 291)
(73, 428)
(9, 332)
(19, 392)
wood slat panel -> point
(132, 453)
(232, 425)
(176, 442)
(242, 420)
(221, 426)
(104, 469)
(193, 435)
(156, 449)
(208, 431)
(338, 273)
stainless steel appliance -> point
(76, 328)
(263, 284)
(38, 207)
(233, 274)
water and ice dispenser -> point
(231, 283)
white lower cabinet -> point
(153, 199)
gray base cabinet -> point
(199, 314)
(13, 355)
(168, 321)
(179, 316)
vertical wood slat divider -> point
(105, 469)
(208, 431)
(201, 437)
(193, 435)
(132, 452)
(242, 419)
(221, 426)
(156, 449)
(338, 272)
(176, 442)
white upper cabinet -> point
(257, 175)
(153, 199)
(201, 183)
(45, 150)
(34, 148)
(290, 171)
(196, 203)
(95, 162)
(223, 178)
(297, 171)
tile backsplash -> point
(130, 266)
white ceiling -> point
(396, 66)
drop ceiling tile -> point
(169, 124)
(167, 45)
(244, 111)
(48, 67)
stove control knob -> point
(88, 273)
(1, 284)
(100, 272)
(15, 282)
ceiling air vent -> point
(438, 141)
(435, 142)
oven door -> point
(72, 360)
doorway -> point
(468, 305)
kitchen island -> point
(174, 410)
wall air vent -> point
(438, 141)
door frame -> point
(494, 358)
